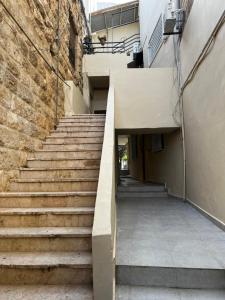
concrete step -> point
(63, 163)
(126, 292)
(74, 140)
(171, 277)
(45, 268)
(138, 195)
(70, 134)
(72, 147)
(46, 292)
(40, 173)
(45, 239)
(50, 199)
(47, 217)
(82, 154)
(144, 188)
(54, 185)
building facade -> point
(112, 150)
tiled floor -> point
(167, 232)
(166, 249)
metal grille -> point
(187, 5)
(155, 41)
(114, 17)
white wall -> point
(149, 13)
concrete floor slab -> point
(167, 232)
(148, 293)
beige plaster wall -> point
(204, 111)
(86, 89)
(144, 98)
(104, 227)
(200, 24)
(117, 34)
(165, 57)
(99, 101)
(74, 102)
(166, 166)
(103, 64)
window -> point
(134, 143)
(72, 42)
(157, 142)
(155, 41)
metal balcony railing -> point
(125, 46)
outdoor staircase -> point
(46, 217)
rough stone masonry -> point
(27, 83)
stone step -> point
(70, 134)
(126, 292)
(75, 124)
(54, 185)
(86, 116)
(72, 147)
(45, 268)
(63, 163)
(51, 199)
(47, 217)
(74, 140)
(82, 120)
(139, 195)
(51, 154)
(40, 173)
(171, 277)
(45, 239)
(144, 188)
(81, 127)
(47, 292)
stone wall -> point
(27, 81)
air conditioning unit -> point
(169, 20)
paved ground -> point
(147, 293)
(166, 232)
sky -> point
(95, 4)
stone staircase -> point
(46, 218)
